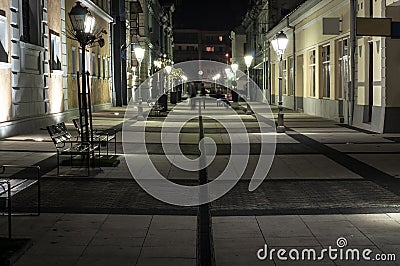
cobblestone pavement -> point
(362, 189)
(273, 197)
(326, 181)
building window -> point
(284, 77)
(55, 51)
(94, 68)
(291, 76)
(3, 39)
(30, 22)
(87, 63)
(104, 67)
(80, 60)
(312, 70)
(343, 76)
(73, 60)
(210, 49)
(99, 66)
(326, 71)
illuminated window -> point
(326, 71)
(210, 49)
(311, 69)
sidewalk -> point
(326, 182)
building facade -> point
(261, 17)
(191, 44)
(339, 75)
(39, 61)
(39, 64)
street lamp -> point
(139, 54)
(215, 78)
(248, 60)
(168, 69)
(83, 31)
(184, 80)
(279, 43)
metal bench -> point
(13, 183)
(64, 144)
(104, 137)
(156, 108)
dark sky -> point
(210, 14)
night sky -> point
(210, 14)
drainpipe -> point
(353, 40)
(293, 28)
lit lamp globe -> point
(235, 67)
(279, 43)
(248, 59)
(81, 19)
(139, 54)
(168, 69)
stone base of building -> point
(31, 124)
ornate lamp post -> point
(83, 24)
(235, 96)
(139, 54)
(168, 69)
(248, 60)
(279, 43)
(215, 78)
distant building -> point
(238, 37)
(191, 44)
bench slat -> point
(17, 185)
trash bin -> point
(163, 101)
(174, 97)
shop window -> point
(284, 77)
(312, 72)
(343, 76)
(326, 71)
(291, 76)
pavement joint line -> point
(364, 170)
(144, 239)
(205, 246)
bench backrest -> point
(59, 133)
(81, 128)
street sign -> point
(374, 27)
(395, 30)
(331, 26)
